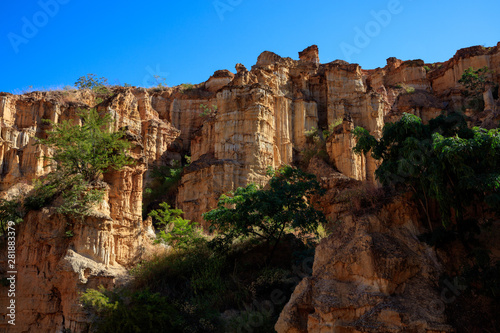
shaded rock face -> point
(371, 275)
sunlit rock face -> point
(58, 257)
(234, 126)
(264, 113)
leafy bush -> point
(265, 213)
(207, 111)
(475, 83)
(410, 90)
(191, 289)
(90, 149)
(176, 231)
(444, 160)
(81, 154)
(142, 311)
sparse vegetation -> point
(186, 87)
(475, 83)
(316, 143)
(159, 82)
(92, 82)
(80, 155)
(408, 89)
(207, 111)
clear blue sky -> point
(186, 41)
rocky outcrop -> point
(263, 116)
(371, 275)
(59, 257)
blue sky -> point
(51, 43)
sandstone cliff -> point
(258, 118)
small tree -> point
(92, 82)
(176, 231)
(80, 155)
(475, 82)
(266, 213)
(88, 150)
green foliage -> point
(81, 154)
(410, 90)
(265, 213)
(186, 86)
(92, 82)
(475, 83)
(176, 231)
(163, 185)
(207, 111)
(188, 290)
(10, 210)
(90, 149)
(316, 143)
(444, 160)
(427, 68)
(140, 311)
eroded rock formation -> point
(374, 277)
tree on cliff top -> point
(265, 213)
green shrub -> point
(10, 210)
(176, 231)
(163, 185)
(186, 86)
(142, 311)
(265, 213)
(81, 154)
(475, 83)
(444, 160)
(207, 111)
(90, 149)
